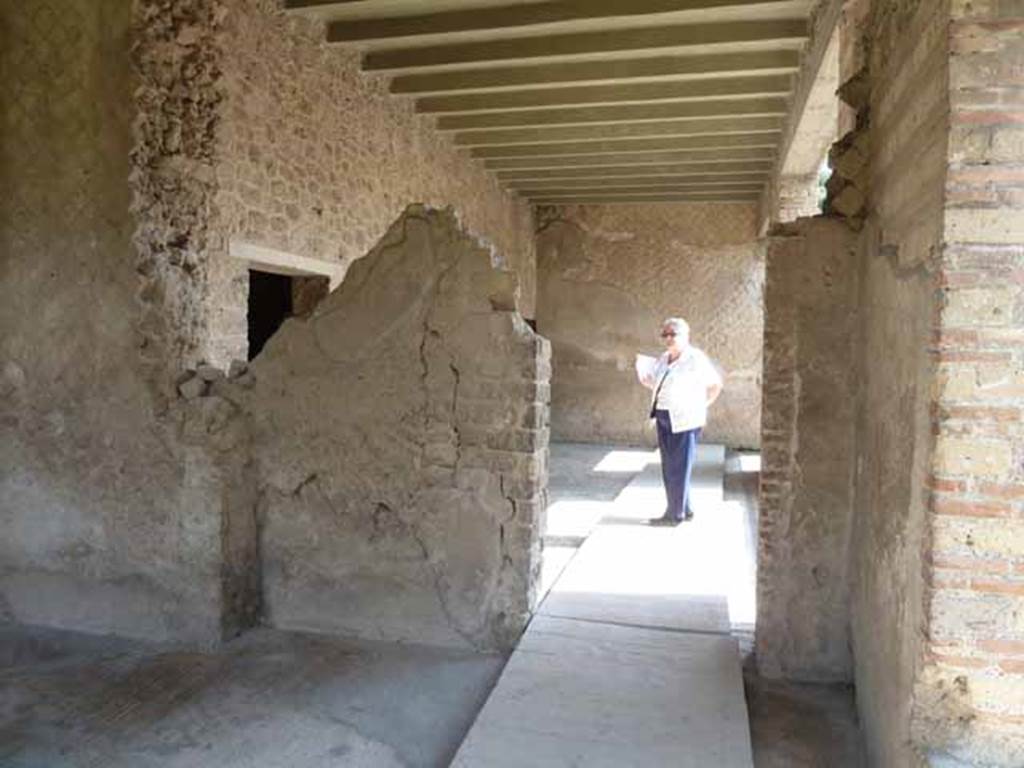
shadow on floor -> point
(795, 725)
(792, 725)
(268, 699)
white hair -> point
(681, 327)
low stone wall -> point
(807, 449)
(608, 276)
(399, 441)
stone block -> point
(985, 225)
(981, 306)
(441, 454)
(209, 373)
(849, 202)
(973, 456)
(980, 535)
(525, 440)
(192, 388)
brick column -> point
(969, 702)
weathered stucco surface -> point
(608, 276)
(106, 523)
(878, 426)
(935, 596)
(316, 159)
(399, 448)
(807, 448)
(128, 503)
(908, 127)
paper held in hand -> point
(645, 367)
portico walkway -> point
(630, 660)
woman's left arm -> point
(714, 379)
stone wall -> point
(608, 276)
(937, 549)
(807, 448)
(907, 55)
(107, 526)
(399, 439)
(127, 502)
(969, 706)
(316, 159)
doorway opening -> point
(274, 297)
(270, 302)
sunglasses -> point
(667, 334)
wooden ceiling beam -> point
(764, 139)
(674, 90)
(512, 17)
(616, 113)
(653, 197)
(775, 33)
(746, 180)
(759, 154)
(616, 71)
(660, 128)
(697, 170)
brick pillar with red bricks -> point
(969, 701)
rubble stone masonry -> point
(315, 158)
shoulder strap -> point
(654, 400)
(661, 383)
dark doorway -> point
(270, 302)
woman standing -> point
(684, 383)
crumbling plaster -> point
(106, 524)
(608, 276)
(907, 65)
(808, 450)
(398, 444)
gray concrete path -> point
(629, 661)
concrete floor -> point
(277, 699)
(267, 700)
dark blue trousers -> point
(678, 451)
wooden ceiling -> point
(592, 100)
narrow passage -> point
(630, 660)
